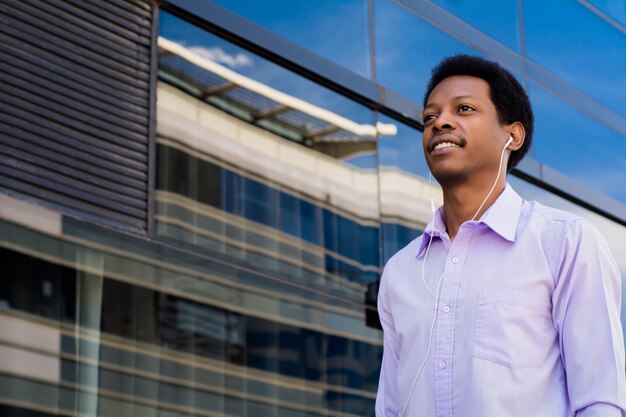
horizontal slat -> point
(49, 179)
(69, 204)
(70, 167)
(94, 61)
(45, 148)
(36, 166)
(140, 8)
(75, 106)
(13, 96)
(81, 32)
(110, 33)
(99, 84)
(101, 115)
(109, 10)
(60, 139)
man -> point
(503, 307)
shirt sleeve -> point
(386, 397)
(586, 313)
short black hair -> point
(506, 93)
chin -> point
(449, 176)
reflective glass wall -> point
(277, 202)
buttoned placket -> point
(444, 338)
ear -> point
(518, 133)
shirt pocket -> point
(512, 327)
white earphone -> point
(436, 293)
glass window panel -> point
(289, 214)
(498, 19)
(261, 142)
(577, 145)
(404, 193)
(368, 245)
(246, 63)
(406, 55)
(336, 30)
(571, 41)
(274, 178)
(178, 342)
(616, 9)
(404, 150)
(311, 222)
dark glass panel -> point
(262, 348)
(260, 203)
(37, 287)
(311, 222)
(368, 245)
(11, 411)
(331, 238)
(292, 351)
(347, 238)
(174, 171)
(289, 214)
(131, 312)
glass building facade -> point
(288, 169)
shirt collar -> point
(436, 228)
(502, 217)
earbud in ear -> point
(508, 142)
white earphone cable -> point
(436, 294)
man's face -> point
(463, 138)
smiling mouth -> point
(443, 145)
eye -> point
(465, 108)
(429, 117)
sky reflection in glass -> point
(498, 19)
(569, 40)
(577, 145)
(616, 9)
(250, 65)
(336, 30)
(406, 54)
(404, 150)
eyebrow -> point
(455, 98)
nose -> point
(444, 122)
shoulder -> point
(553, 223)
(566, 234)
(549, 216)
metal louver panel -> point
(75, 106)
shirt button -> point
(455, 260)
(442, 365)
(446, 309)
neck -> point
(462, 202)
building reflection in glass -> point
(277, 203)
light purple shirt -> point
(528, 321)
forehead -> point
(459, 86)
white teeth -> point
(445, 145)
